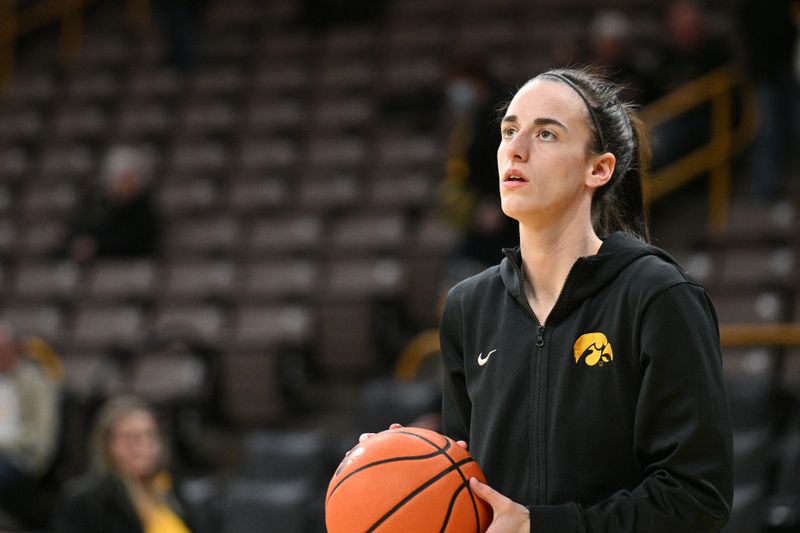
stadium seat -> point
(386, 401)
(257, 326)
(285, 455)
(349, 278)
(279, 279)
(254, 504)
(57, 199)
(44, 320)
(139, 118)
(93, 86)
(284, 234)
(202, 279)
(70, 161)
(99, 326)
(114, 280)
(48, 280)
(178, 196)
(86, 122)
(198, 156)
(206, 323)
(251, 387)
(41, 237)
(322, 191)
(202, 235)
(163, 377)
(265, 154)
(88, 375)
(258, 194)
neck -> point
(548, 253)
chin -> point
(516, 211)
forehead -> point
(547, 98)
(135, 420)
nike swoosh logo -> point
(483, 360)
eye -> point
(546, 135)
(508, 132)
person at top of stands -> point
(127, 489)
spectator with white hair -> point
(119, 220)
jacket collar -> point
(588, 274)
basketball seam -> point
(450, 508)
(439, 451)
(419, 489)
(463, 478)
(471, 497)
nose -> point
(517, 148)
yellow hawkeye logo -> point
(594, 349)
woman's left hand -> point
(509, 516)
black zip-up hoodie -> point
(610, 417)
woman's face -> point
(135, 444)
(543, 159)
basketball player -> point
(584, 370)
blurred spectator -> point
(769, 30)
(120, 220)
(28, 426)
(610, 48)
(471, 192)
(180, 22)
(127, 489)
(689, 51)
(320, 14)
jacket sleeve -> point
(683, 440)
(456, 406)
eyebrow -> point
(543, 121)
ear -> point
(601, 170)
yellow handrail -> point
(426, 344)
(15, 22)
(715, 88)
(787, 334)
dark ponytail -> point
(618, 205)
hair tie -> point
(585, 101)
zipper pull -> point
(540, 337)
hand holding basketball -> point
(365, 436)
(509, 516)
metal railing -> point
(16, 21)
(716, 89)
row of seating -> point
(255, 154)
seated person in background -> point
(128, 489)
(28, 426)
(611, 48)
(121, 219)
(690, 50)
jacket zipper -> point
(537, 436)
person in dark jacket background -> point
(585, 371)
(128, 489)
(120, 219)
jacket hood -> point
(588, 274)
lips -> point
(513, 177)
(512, 174)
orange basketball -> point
(406, 479)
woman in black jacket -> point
(584, 370)
(128, 490)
